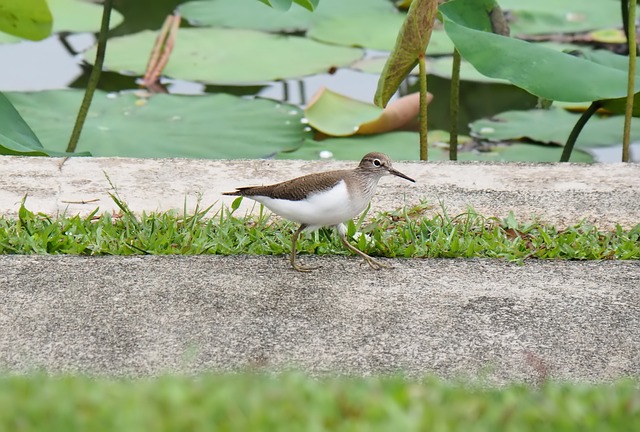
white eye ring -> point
(377, 163)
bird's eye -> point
(376, 162)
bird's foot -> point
(376, 265)
(303, 269)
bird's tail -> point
(241, 191)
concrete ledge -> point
(560, 194)
(484, 319)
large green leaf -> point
(566, 16)
(250, 14)
(441, 66)
(553, 126)
(617, 105)
(404, 146)
(73, 16)
(16, 137)
(228, 56)
(212, 126)
(411, 43)
(29, 19)
(543, 72)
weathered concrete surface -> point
(560, 194)
(484, 319)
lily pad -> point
(561, 16)
(439, 44)
(404, 146)
(207, 55)
(398, 145)
(374, 65)
(16, 137)
(541, 71)
(250, 14)
(212, 126)
(609, 36)
(75, 16)
(371, 29)
(552, 126)
(518, 152)
(337, 115)
(442, 67)
(286, 4)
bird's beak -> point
(399, 174)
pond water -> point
(56, 63)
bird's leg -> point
(376, 265)
(294, 240)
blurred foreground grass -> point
(296, 402)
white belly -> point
(327, 208)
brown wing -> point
(293, 190)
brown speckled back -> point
(296, 189)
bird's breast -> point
(325, 208)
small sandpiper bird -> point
(325, 199)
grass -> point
(408, 232)
(295, 402)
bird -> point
(325, 199)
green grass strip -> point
(408, 232)
(295, 402)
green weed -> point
(408, 232)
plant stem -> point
(93, 78)
(577, 128)
(624, 6)
(454, 105)
(424, 152)
(631, 74)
